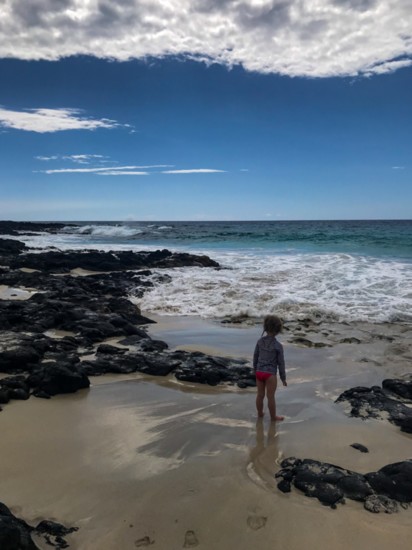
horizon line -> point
(210, 221)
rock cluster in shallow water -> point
(92, 309)
(381, 491)
(391, 401)
(15, 533)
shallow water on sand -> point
(153, 461)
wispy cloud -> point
(124, 170)
(54, 157)
(123, 173)
(78, 159)
(52, 120)
(315, 38)
(398, 167)
(112, 170)
(193, 171)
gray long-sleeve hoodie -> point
(268, 357)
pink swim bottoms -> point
(263, 376)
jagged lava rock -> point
(393, 398)
(330, 484)
(15, 533)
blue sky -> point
(172, 137)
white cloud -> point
(54, 157)
(106, 170)
(314, 38)
(84, 170)
(128, 170)
(123, 173)
(51, 120)
(398, 167)
(83, 159)
(193, 171)
(78, 159)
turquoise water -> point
(371, 238)
(339, 270)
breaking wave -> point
(330, 286)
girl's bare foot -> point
(261, 415)
(278, 418)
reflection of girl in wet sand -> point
(267, 359)
(264, 455)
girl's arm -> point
(255, 356)
(281, 364)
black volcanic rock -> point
(360, 447)
(17, 228)
(151, 357)
(205, 369)
(11, 246)
(94, 260)
(393, 481)
(330, 484)
(393, 399)
(15, 533)
(92, 308)
(399, 388)
(56, 378)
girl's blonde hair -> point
(272, 324)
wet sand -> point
(142, 461)
(10, 293)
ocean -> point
(327, 270)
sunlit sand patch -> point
(29, 270)
(57, 334)
(80, 272)
(12, 293)
(89, 357)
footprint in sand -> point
(190, 540)
(145, 541)
(256, 522)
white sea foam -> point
(107, 230)
(340, 286)
(337, 286)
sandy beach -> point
(140, 461)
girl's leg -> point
(271, 385)
(260, 386)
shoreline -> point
(132, 446)
(104, 458)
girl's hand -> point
(284, 382)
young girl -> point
(267, 359)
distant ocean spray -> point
(342, 270)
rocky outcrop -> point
(11, 246)
(95, 260)
(44, 366)
(151, 357)
(17, 228)
(15, 533)
(381, 491)
(387, 402)
(92, 309)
